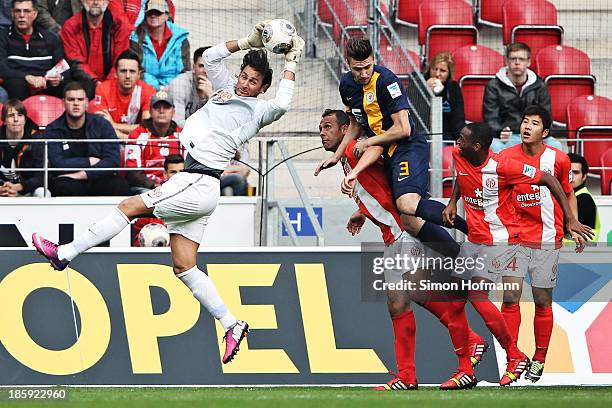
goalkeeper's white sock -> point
(205, 291)
(99, 232)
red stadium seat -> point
(445, 25)
(408, 12)
(352, 16)
(43, 109)
(490, 12)
(533, 22)
(567, 73)
(324, 11)
(475, 66)
(590, 117)
(606, 174)
(393, 58)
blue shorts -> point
(408, 168)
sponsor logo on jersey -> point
(491, 183)
(529, 171)
(394, 90)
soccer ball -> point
(276, 35)
(154, 235)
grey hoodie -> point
(502, 104)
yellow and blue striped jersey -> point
(373, 104)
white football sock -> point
(99, 232)
(205, 291)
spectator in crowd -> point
(93, 39)
(76, 124)
(52, 14)
(135, 9)
(27, 52)
(17, 154)
(151, 142)
(162, 46)
(124, 101)
(234, 178)
(173, 164)
(5, 13)
(3, 94)
(514, 88)
(587, 210)
(439, 76)
(191, 90)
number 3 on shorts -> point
(404, 169)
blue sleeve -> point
(391, 93)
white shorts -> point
(542, 266)
(486, 261)
(184, 203)
(403, 245)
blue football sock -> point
(437, 238)
(431, 210)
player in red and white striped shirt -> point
(372, 194)
(486, 181)
(541, 218)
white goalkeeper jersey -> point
(214, 133)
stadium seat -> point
(489, 12)
(393, 58)
(475, 66)
(590, 117)
(567, 74)
(324, 11)
(408, 12)
(606, 174)
(447, 170)
(352, 19)
(445, 25)
(533, 22)
(43, 109)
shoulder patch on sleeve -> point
(394, 90)
(529, 171)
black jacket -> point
(18, 59)
(96, 127)
(23, 156)
(503, 106)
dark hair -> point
(258, 60)
(537, 110)
(358, 48)
(519, 46)
(15, 104)
(481, 133)
(34, 3)
(173, 159)
(341, 116)
(73, 86)
(128, 55)
(198, 53)
(576, 158)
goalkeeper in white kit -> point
(211, 137)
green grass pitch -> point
(516, 397)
